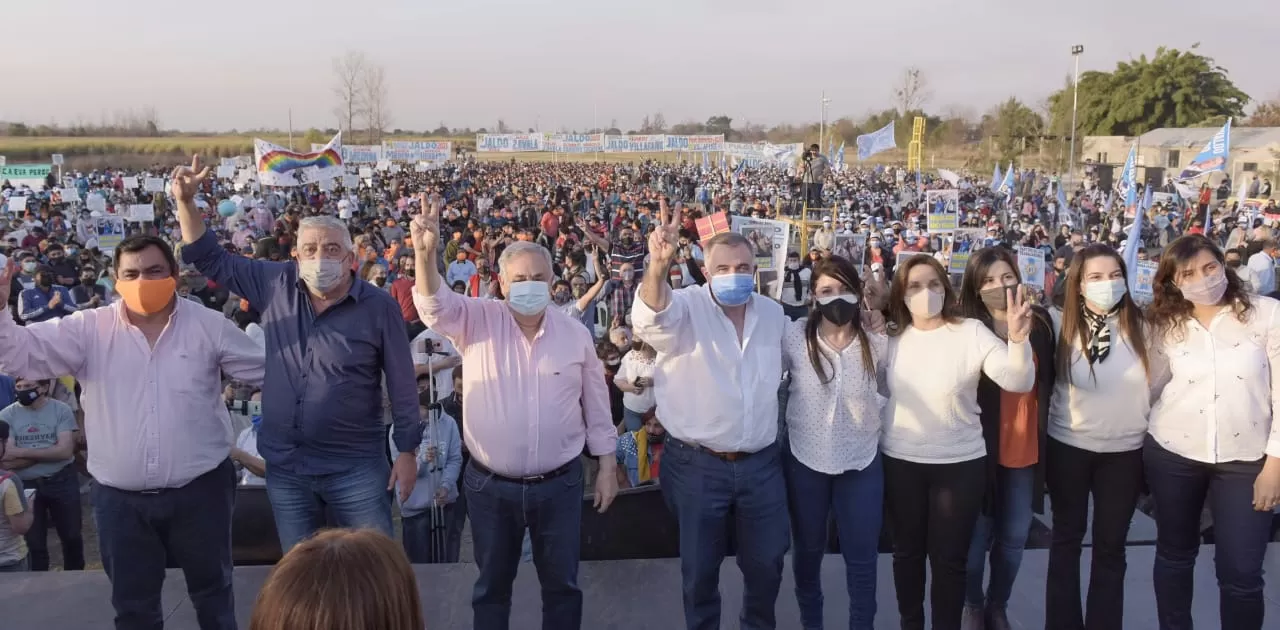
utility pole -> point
(290, 128)
(822, 127)
(1076, 51)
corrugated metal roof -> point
(1196, 137)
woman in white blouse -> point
(833, 429)
(1216, 366)
(933, 448)
(1097, 423)
(635, 379)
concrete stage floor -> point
(619, 595)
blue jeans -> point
(137, 531)
(356, 498)
(20, 566)
(708, 495)
(500, 511)
(57, 501)
(857, 499)
(429, 542)
(1005, 534)
(1180, 487)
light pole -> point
(1076, 51)
(822, 127)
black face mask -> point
(1234, 264)
(28, 397)
(997, 299)
(44, 282)
(838, 312)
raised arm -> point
(243, 276)
(440, 308)
(602, 278)
(655, 289)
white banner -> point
(278, 166)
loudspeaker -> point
(1106, 176)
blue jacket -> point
(33, 305)
(443, 433)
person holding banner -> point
(716, 378)
(933, 445)
(1214, 438)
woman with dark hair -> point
(1097, 423)
(833, 429)
(1013, 427)
(1216, 367)
(933, 446)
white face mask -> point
(529, 297)
(1105, 294)
(322, 275)
(925, 303)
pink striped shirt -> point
(528, 406)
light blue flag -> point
(1062, 200)
(996, 178)
(1128, 175)
(724, 164)
(1148, 199)
(1006, 186)
(1134, 240)
(840, 156)
(872, 143)
(1212, 158)
(706, 163)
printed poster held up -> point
(1144, 287)
(944, 210)
(1031, 266)
(153, 185)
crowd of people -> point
(485, 340)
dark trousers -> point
(1180, 487)
(932, 512)
(57, 501)
(813, 195)
(708, 495)
(857, 499)
(500, 512)
(1114, 480)
(428, 536)
(191, 524)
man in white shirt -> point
(1262, 268)
(716, 378)
(460, 270)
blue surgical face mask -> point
(256, 421)
(733, 289)
(529, 297)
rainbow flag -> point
(278, 166)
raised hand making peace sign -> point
(425, 228)
(187, 179)
(664, 241)
(1019, 314)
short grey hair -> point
(522, 247)
(331, 223)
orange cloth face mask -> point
(145, 296)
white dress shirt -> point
(633, 367)
(248, 442)
(833, 427)
(711, 390)
(1220, 388)
(155, 416)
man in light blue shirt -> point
(1262, 268)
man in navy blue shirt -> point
(331, 338)
(46, 300)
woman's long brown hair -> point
(841, 269)
(1170, 311)
(899, 316)
(1074, 327)
(340, 580)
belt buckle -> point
(533, 479)
(153, 491)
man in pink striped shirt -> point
(534, 394)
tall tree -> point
(348, 70)
(659, 123)
(1012, 125)
(1171, 89)
(376, 108)
(912, 90)
(720, 125)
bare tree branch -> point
(912, 90)
(374, 93)
(349, 72)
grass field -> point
(90, 153)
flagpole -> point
(1076, 51)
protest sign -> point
(278, 166)
(1143, 286)
(964, 242)
(110, 233)
(366, 172)
(128, 183)
(153, 185)
(226, 171)
(17, 205)
(851, 247)
(944, 209)
(351, 181)
(57, 159)
(1031, 266)
(95, 202)
(142, 212)
(711, 225)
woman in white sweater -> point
(832, 462)
(933, 447)
(1097, 422)
(1213, 436)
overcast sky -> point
(245, 63)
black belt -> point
(532, 479)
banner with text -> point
(576, 143)
(635, 144)
(356, 153)
(510, 142)
(696, 144)
(419, 151)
